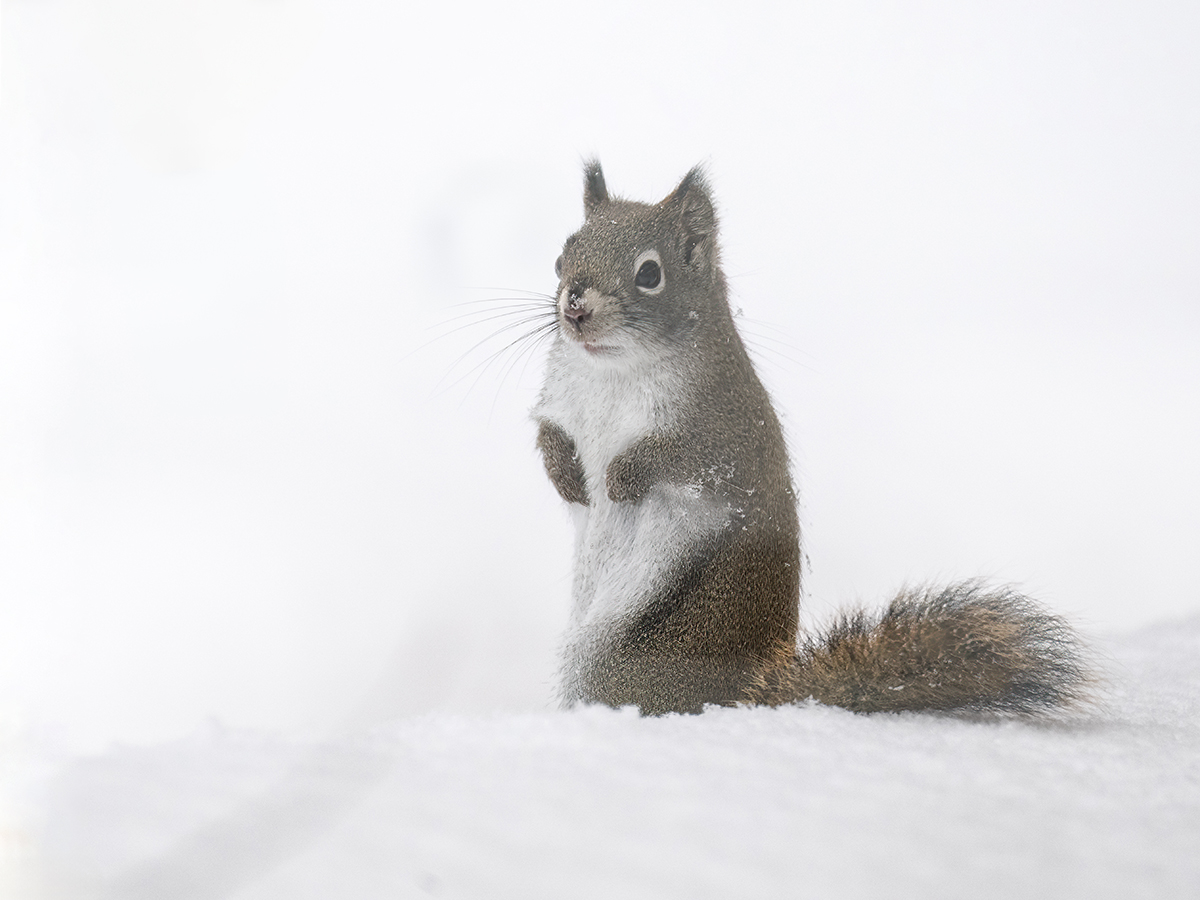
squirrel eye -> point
(648, 274)
(558, 267)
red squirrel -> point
(654, 427)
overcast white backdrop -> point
(247, 471)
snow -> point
(803, 801)
(249, 474)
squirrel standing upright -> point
(654, 427)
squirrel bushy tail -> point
(960, 648)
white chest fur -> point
(622, 550)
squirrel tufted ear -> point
(595, 192)
(697, 217)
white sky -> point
(236, 479)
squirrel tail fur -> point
(961, 648)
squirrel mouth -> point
(598, 349)
(591, 346)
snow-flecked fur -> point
(655, 428)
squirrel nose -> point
(577, 315)
(575, 311)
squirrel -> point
(655, 429)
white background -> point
(248, 471)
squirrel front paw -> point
(563, 464)
(625, 480)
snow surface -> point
(239, 480)
(801, 801)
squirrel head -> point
(641, 277)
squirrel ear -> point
(696, 215)
(595, 192)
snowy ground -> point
(243, 478)
(794, 802)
